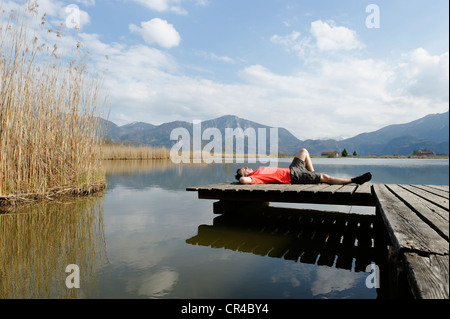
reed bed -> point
(130, 152)
(50, 137)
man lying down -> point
(301, 171)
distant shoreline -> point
(119, 151)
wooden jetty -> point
(416, 218)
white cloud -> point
(87, 3)
(294, 43)
(202, 3)
(50, 7)
(425, 75)
(216, 57)
(221, 58)
(164, 5)
(290, 41)
(331, 37)
(324, 37)
(174, 6)
(158, 31)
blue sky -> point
(312, 67)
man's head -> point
(242, 172)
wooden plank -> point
(364, 193)
(300, 187)
(438, 200)
(214, 186)
(346, 189)
(364, 189)
(407, 230)
(259, 187)
(197, 188)
(428, 276)
(435, 216)
(225, 187)
(331, 189)
(444, 188)
(432, 190)
(316, 188)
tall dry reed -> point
(50, 138)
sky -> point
(321, 69)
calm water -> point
(146, 237)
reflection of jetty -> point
(347, 241)
(415, 217)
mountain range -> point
(430, 132)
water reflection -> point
(344, 241)
(163, 173)
(39, 240)
(157, 285)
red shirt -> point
(271, 175)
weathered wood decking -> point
(416, 217)
(315, 194)
(417, 220)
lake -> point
(147, 237)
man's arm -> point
(245, 180)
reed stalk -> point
(50, 137)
